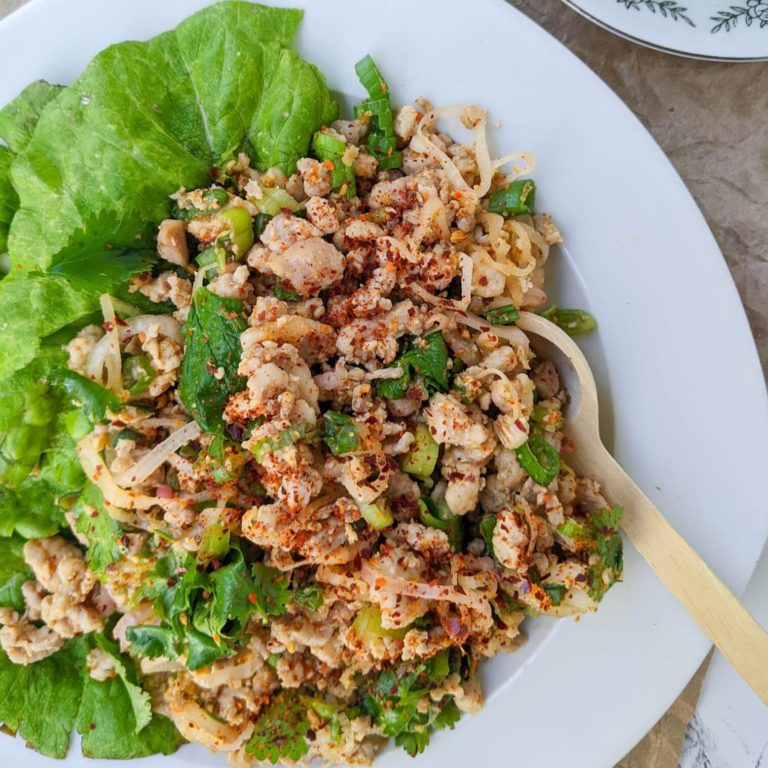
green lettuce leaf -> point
(31, 308)
(106, 722)
(148, 117)
(19, 118)
(31, 510)
(40, 701)
(13, 573)
(9, 200)
(211, 343)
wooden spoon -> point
(727, 623)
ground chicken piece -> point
(172, 242)
(357, 473)
(515, 534)
(233, 285)
(499, 487)
(316, 177)
(366, 340)
(33, 599)
(353, 131)
(546, 380)
(366, 165)
(314, 341)
(164, 354)
(452, 423)
(406, 123)
(266, 309)
(430, 542)
(101, 665)
(324, 214)
(167, 286)
(403, 494)
(23, 642)
(400, 193)
(462, 469)
(80, 348)
(60, 568)
(547, 229)
(294, 186)
(487, 281)
(284, 230)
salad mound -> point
(278, 469)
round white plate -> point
(721, 30)
(681, 386)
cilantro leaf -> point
(271, 590)
(281, 730)
(14, 571)
(341, 433)
(100, 529)
(556, 592)
(211, 345)
(427, 357)
(40, 701)
(83, 393)
(310, 596)
(152, 642)
(203, 650)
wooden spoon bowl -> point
(727, 623)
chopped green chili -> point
(137, 374)
(572, 321)
(514, 200)
(241, 227)
(539, 459)
(505, 315)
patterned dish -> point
(720, 30)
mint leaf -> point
(427, 357)
(40, 701)
(211, 342)
(14, 571)
(153, 642)
(281, 730)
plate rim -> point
(695, 655)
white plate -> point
(674, 356)
(721, 30)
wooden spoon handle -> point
(727, 623)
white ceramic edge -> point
(626, 601)
(647, 43)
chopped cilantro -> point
(281, 730)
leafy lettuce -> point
(147, 117)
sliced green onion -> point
(379, 144)
(435, 514)
(214, 543)
(516, 199)
(284, 294)
(539, 459)
(216, 194)
(486, 526)
(377, 515)
(241, 226)
(207, 257)
(262, 448)
(341, 433)
(368, 626)
(137, 374)
(395, 160)
(380, 113)
(327, 147)
(422, 457)
(369, 75)
(505, 315)
(572, 321)
(556, 592)
(260, 221)
(274, 200)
